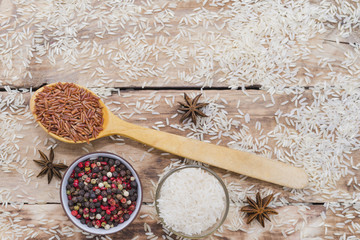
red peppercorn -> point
(130, 212)
(93, 165)
(108, 212)
(78, 216)
(87, 164)
(112, 202)
(76, 184)
(104, 163)
(94, 175)
(112, 169)
(131, 208)
(123, 200)
(102, 207)
(112, 179)
(98, 222)
(95, 200)
(100, 198)
(69, 197)
(74, 212)
(113, 185)
(80, 174)
(80, 164)
(121, 220)
(103, 188)
(104, 178)
(88, 180)
(92, 209)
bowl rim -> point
(80, 225)
(227, 199)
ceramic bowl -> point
(64, 199)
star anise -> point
(191, 107)
(259, 209)
(49, 167)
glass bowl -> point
(64, 198)
(211, 229)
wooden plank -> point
(92, 68)
(155, 161)
(49, 220)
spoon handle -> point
(233, 160)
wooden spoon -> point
(233, 160)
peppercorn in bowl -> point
(101, 193)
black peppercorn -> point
(111, 162)
(126, 216)
(80, 198)
(133, 184)
(132, 191)
(133, 198)
(77, 169)
(87, 195)
(92, 195)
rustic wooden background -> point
(41, 201)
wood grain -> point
(155, 161)
(290, 218)
(86, 69)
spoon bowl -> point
(233, 160)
